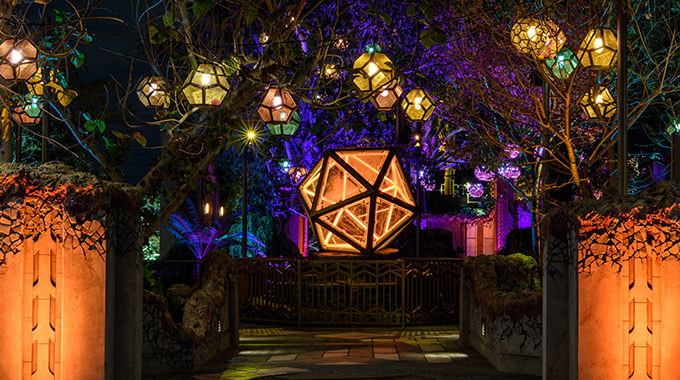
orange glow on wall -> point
(357, 199)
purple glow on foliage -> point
(509, 171)
(476, 190)
(484, 174)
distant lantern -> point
(484, 174)
(599, 103)
(357, 199)
(277, 107)
(285, 130)
(152, 92)
(206, 85)
(384, 99)
(372, 71)
(537, 38)
(563, 64)
(476, 190)
(598, 49)
(329, 71)
(510, 171)
(418, 105)
(296, 174)
(18, 59)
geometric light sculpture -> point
(285, 130)
(358, 199)
(18, 59)
(540, 39)
(476, 190)
(598, 103)
(384, 99)
(277, 107)
(151, 91)
(372, 71)
(598, 49)
(207, 85)
(509, 171)
(484, 174)
(26, 115)
(418, 105)
(563, 64)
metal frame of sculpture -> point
(354, 193)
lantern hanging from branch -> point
(385, 98)
(598, 103)
(29, 112)
(18, 59)
(598, 51)
(277, 107)
(151, 91)
(285, 130)
(372, 71)
(207, 85)
(563, 64)
(329, 71)
(476, 190)
(537, 38)
(357, 199)
(36, 83)
(510, 171)
(418, 105)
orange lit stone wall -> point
(57, 272)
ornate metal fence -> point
(328, 291)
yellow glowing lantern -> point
(357, 199)
(36, 83)
(418, 105)
(541, 39)
(598, 50)
(151, 91)
(329, 71)
(385, 98)
(598, 103)
(277, 107)
(372, 71)
(18, 59)
(206, 86)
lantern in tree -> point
(418, 105)
(329, 71)
(285, 130)
(296, 174)
(206, 86)
(484, 174)
(598, 50)
(277, 107)
(357, 199)
(563, 64)
(29, 112)
(510, 171)
(476, 190)
(384, 99)
(151, 91)
(36, 83)
(599, 103)
(18, 59)
(540, 39)
(372, 71)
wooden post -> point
(622, 97)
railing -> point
(368, 292)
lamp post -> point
(250, 136)
(622, 95)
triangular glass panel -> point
(331, 242)
(394, 184)
(337, 186)
(308, 186)
(367, 163)
(388, 219)
(351, 221)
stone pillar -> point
(70, 276)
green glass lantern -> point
(563, 64)
(287, 129)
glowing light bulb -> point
(251, 135)
(531, 32)
(560, 58)
(153, 87)
(384, 93)
(417, 102)
(329, 71)
(221, 210)
(599, 99)
(205, 79)
(598, 44)
(372, 69)
(15, 57)
(277, 102)
(206, 209)
(283, 116)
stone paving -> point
(423, 353)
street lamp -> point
(18, 59)
(207, 85)
(250, 136)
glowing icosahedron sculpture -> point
(358, 199)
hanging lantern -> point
(510, 171)
(541, 39)
(512, 151)
(418, 105)
(357, 199)
(563, 64)
(151, 91)
(285, 130)
(598, 50)
(206, 86)
(329, 71)
(476, 190)
(484, 174)
(277, 107)
(384, 99)
(28, 113)
(599, 103)
(296, 174)
(18, 59)
(372, 71)
(36, 84)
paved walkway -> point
(423, 353)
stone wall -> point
(616, 294)
(70, 276)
